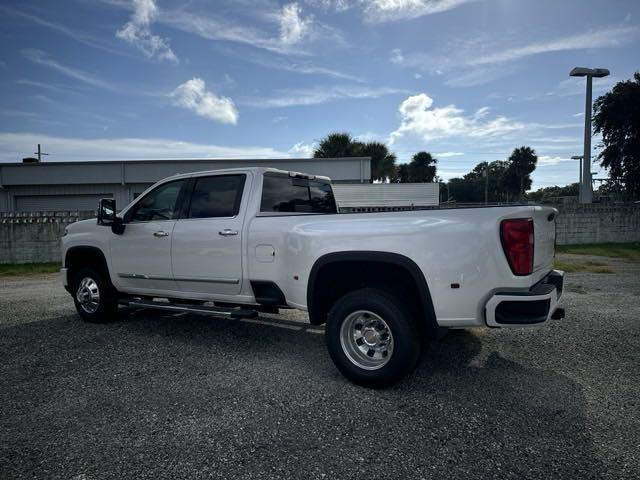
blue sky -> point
(467, 80)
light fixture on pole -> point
(579, 158)
(587, 188)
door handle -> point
(227, 232)
(161, 233)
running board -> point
(235, 313)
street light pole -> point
(579, 158)
(587, 189)
(586, 186)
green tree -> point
(383, 163)
(342, 144)
(337, 144)
(422, 168)
(471, 187)
(521, 164)
(617, 119)
(491, 176)
(551, 193)
(464, 190)
(402, 173)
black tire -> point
(106, 306)
(405, 337)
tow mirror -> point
(106, 211)
(107, 216)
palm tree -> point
(422, 168)
(337, 144)
(342, 144)
(383, 163)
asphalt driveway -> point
(156, 395)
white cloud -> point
(546, 160)
(604, 38)
(212, 28)
(15, 146)
(292, 26)
(448, 154)
(419, 119)
(376, 11)
(473, 62)
(337, 5)
(576, 86)
(303, 67)
(74, 34)
(319, 95)
(137, 32)
(41, 58)
(193, 96)
(302, 150)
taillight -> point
(517, 242)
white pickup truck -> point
(239, 241)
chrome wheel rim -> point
(88, 295)
(366, 340)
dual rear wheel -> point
(372, 337)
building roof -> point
(122, 172)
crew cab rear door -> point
(206, 251)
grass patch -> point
(13, 269)
(628, 251)
(591, 266)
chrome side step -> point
(235, 313)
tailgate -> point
(544, 230)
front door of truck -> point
(141, 255)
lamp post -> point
(587, 188)
(579, 158)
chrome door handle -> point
(160, 234)
(227, 232)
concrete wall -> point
(597, 223)
(35, 236)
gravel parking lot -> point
(157, 395)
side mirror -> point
(106, 211)
(107, 216)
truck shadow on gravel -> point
(268, 399)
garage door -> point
(39, 203)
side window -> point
(218, 196)
(285, 194)
(158, 204)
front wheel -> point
(372, 337)
(95, 298)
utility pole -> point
(39, 153)
(486, 184)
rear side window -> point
(285, 194)
(218, 196)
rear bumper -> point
(529, 307)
